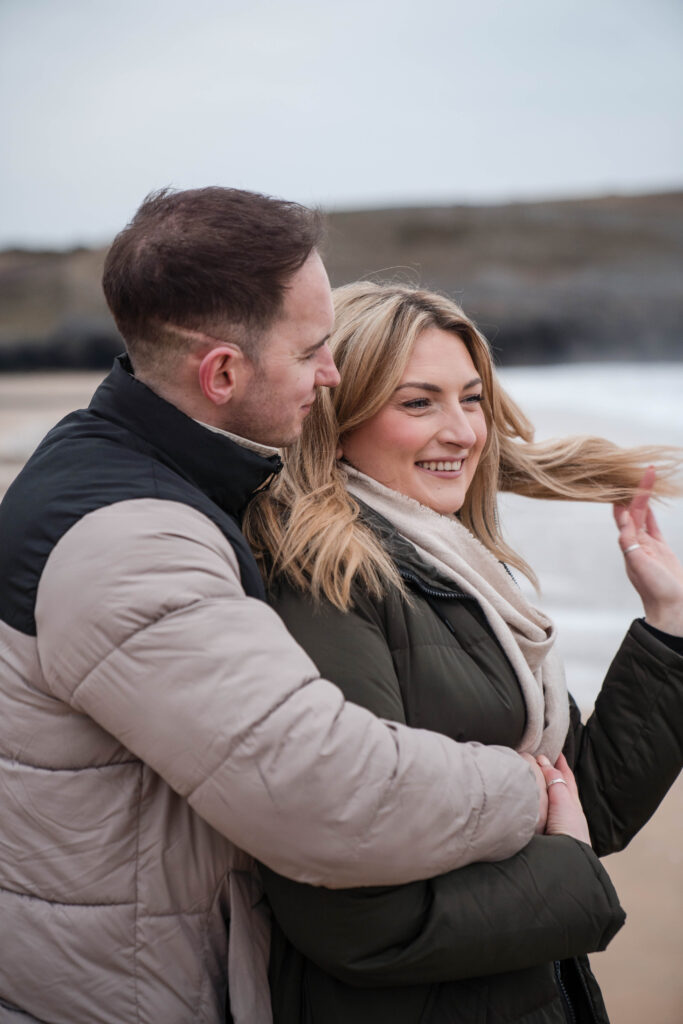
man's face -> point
(277, 393)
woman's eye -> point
(474, 399)
(416, 403)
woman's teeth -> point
(442, 467)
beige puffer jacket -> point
(152, 716)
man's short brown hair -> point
(207, 260)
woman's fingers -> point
(565, 814)
(554, 773)
(634, 541)
(652, 527)
(628, 533)
(638, 510)
(567, 774)
(640, 502)
(560, 770)
(651, 565)
(647, 480)
(637, 516)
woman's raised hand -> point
(651, 565)
(565, 813)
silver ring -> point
(553, 782)
(631, 547)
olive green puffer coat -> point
(490, 942)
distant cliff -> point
(597, 279)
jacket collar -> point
(224, 470)
(404, 554)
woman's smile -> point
(445, 466)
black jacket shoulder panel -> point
(90, 460)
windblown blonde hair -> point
(306, 528)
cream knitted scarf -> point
(524, 632)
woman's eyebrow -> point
(421, 384)
(425, 386)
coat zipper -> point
(431, 591)
(584, 986)
(569, 1012)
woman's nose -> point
(456, 429)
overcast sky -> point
(346, 103)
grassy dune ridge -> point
(547, 282)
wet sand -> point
(30, 404)
(640, 973)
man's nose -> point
(327, 375)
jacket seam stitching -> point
(155, 479)
(203, 981)
(62, 903)
(30, 1017)
(670, 659)
(597, 872)
(69, 768)
(654, 699)
(397, 648)
(484, 801)
(142, 915)
(118, 647)
(136, 936)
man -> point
(157, 719)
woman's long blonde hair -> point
(306, 528)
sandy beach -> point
(640, 972)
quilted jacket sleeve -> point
(631, 749)
(144, 627)
(551, 901)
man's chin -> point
(289, 441)
(281, 440)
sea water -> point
(572, 546)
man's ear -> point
(220, 372)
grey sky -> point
(366, 102)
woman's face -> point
(427, 440)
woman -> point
(413, 612)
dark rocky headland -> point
(547, 282)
